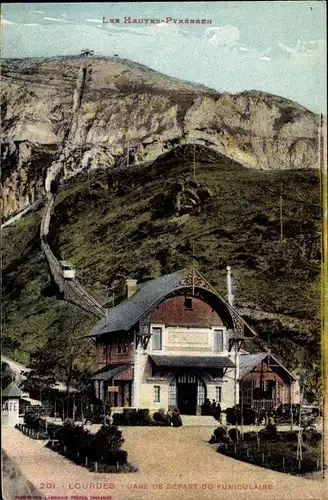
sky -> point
(273, 46)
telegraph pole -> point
(128, 154)
(194, 163)
(193, 267)
(281, 224)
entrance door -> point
(187, 398)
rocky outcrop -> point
(24, 170)
(108, 112)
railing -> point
(267, 404)
(71, 288)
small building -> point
(10, 397)
(173, 342)
(265, 383)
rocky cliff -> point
(60, 116)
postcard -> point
(164, 250)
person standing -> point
(217, 412)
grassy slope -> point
(114, 229)
(32, 314)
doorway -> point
(187, 398)
(187, 392)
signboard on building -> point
(113, 388)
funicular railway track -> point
(72, 290)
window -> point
(218, 394)
(188, 303)
(156, 339)
(173, 394)
(121, 346)
(157, 391)
(218, 340)
(265, 386)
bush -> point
(220, 435)
(249, 416)
(103, 447)
(176, 418)
(250, 437)
(269, 433)
(161, 418)
(233, 415)
(118, 419)
(34, 422)
(234, 435)
(291, 436)
(312, 436)
(127, 416)
(143, 417)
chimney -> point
(229, 286)
(131, 287)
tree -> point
(7, 375)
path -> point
(173, 463)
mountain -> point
(91, 112)
(246, 195)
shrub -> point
(291, 436)
(118, 419)
(176, 418)
(34, 422)
(312, 436)
(234, 435)
(249, 416)
(161, 418)
(220, 435)
(269, 433)
(103, 447)
(51, 430)
(143, 417)
(233, 415)
(250, 436)
(127, 415)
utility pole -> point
(194, 163)
(281, 225)
(193, 269)
(128, 154)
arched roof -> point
(150, 294)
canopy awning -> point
(60, 387)
(193, 361)
(109, 372)
(33, 402)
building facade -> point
(173, 343)
(265, 382)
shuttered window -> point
(218, 340)
(157, 392)
(156, 339)
(218, 394)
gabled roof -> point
(14, 365)
(150, 294)
(11, 391)
(248, 362)
(127, 313)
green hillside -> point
(124, 224)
